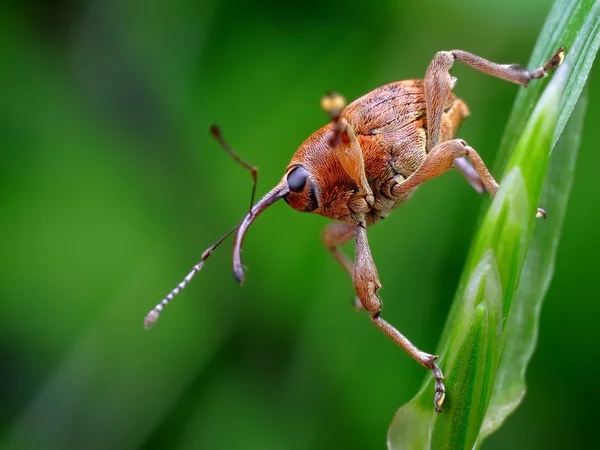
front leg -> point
(366, 283)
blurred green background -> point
(111, 188)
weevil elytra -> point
(369, 160)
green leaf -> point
(523, 321)
(491, 330)
(476, 358)
(470, 373)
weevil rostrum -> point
(369, 160)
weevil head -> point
(317, 181)
(315, 175)
(297, 188)
(314, 182)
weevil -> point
(370, 159)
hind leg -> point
(439, 83)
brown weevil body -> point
(369, 160)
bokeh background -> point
(111, 188)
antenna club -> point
(333, 104)
(150, 319)
(215, 131)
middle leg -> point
(440, 160)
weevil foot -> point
(541, 214)
(440, 389)
(555, 61)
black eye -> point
(297, 178)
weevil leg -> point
(366, 283)
(439, 83)
(441, 159)
(466, 169)
(335, 235)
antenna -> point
(152, 316)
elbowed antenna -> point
(152, 316)
(278, 192)
(275, 194)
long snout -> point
(278, 192)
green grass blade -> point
(471, 370)
(523, 321)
